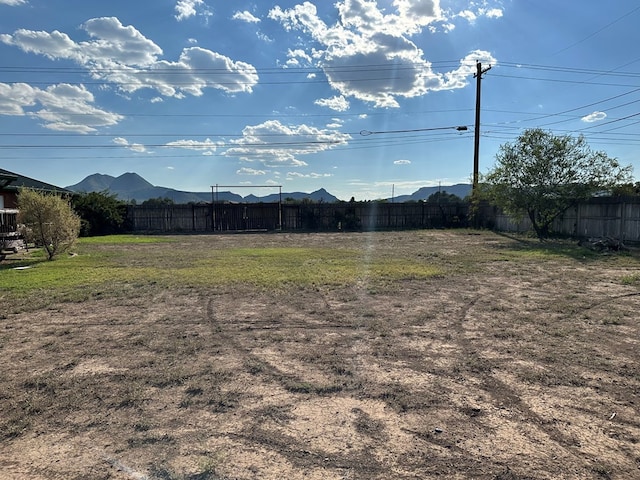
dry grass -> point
(388, 355)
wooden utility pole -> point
(476, 146)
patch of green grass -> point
(631, 279)
(131, 265)
(104, 268)
(124, 240)
(273, 267)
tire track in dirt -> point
(503, 395)
(254, 434)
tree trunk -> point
(541, 229)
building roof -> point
(14, 181)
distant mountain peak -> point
(131, 186)
(97, 182)
(129, 182)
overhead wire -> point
(381, 68)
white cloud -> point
(368, 53)
(468, 15)
(448, 27)
(250, 171)
(207, 146)
(122, 56)
(298, 57)
(275, 144)
(264, 37)
(471, 16)
(61, 107)
(594, 117)
(308, 175)
(190, 8)
(135, 147)
(493, 13)
(13, 3)
(245, 17)
(402, 162)
(337, 103)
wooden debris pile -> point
(603, 244)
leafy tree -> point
(541, 175)
(443, 197)
(50, 218)
(158, 202)
(101, 213)
(627, 189)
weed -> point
(631, 279)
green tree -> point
(50, 218)
(158, 202)
(443, 197)
(627, 189)
(101, 213)
(541, 175)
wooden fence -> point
(600, 217)
(617, 217)
(228, 217)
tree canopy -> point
(50, 219)
(541, 175)
(101, 213)
(443, 197)
(158, 202)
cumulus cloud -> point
(122, 56)
(402, 162)
(250, 171)
(135, 147)
(493, 13)
(483, 11)
(207, 147)
(368, 53)
(337, 103)
(291, 175)
(297, 58)
(594, 117)
(245, 17)
(13, 3)
(264, 37)
(468, 15)
(275, 144)
(60, 107)
(190, 8)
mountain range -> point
(132, 187)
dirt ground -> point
(508, 368)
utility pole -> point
(476, 147)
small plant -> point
(632, 279)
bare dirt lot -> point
(517, 362)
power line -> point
(596, 32)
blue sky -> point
(193, 93)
